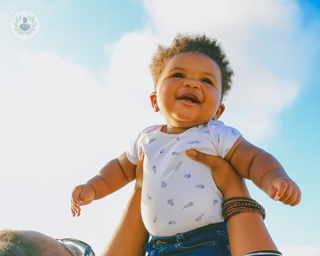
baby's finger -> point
(297, 201)
(292, 198)
(287, 194)
(281, 187)
(75, 209)
(78, 210)
(73, 213)
(75, 196)
(74, 205)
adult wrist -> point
(236, 205)
(231, 194)
(235, 190)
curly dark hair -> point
(194, 43)
(12, 242)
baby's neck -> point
(174, 130)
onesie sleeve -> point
(133, 152)
(223, 136)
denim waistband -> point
(180, 237)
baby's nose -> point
(191, 84)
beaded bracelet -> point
(235, 205)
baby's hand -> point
(285, 190)
(81, 195)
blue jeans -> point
(208, 240)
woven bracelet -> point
(235, 205)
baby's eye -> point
(178, 75)
(206, 80)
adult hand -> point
(247, 232)
(229, 182)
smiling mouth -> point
(189, 99)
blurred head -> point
(30, 243)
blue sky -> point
(68, 97)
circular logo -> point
(25, 25)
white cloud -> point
(58, 128)
(293, 250)
(218, 17)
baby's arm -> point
(264, 170)
(113, 176)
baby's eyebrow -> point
(176, 68)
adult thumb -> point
(209, 160)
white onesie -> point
(178, 193)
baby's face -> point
(188, 91)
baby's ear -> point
(219, 112)
(153, 98)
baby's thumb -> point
(271, 191)
(281, 188)
(277, 190)
(87, 195)
(76, 195)
(84, 196)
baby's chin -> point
(187, 124)
(192, 123)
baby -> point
(179, 195)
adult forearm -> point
(248, 233)
(130, 235)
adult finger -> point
(139, 171)
(211, 161)
(228, 181)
